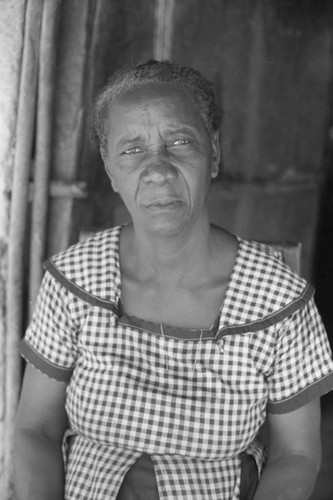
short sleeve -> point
(303, 367)
(50, 342)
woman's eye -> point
(132, 151)
(180, 142)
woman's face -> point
(160, 157)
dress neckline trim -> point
(169, 330)
(227, 321)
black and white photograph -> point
(166, 250)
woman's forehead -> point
(164, 100)
(150, 95)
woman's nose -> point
(159, 170)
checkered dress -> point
(191, 399)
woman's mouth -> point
(164, 204)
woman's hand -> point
(40, 425)
(294, 455)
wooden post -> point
(18, 220)
(46, 75)
(162, 43)
(11, 41)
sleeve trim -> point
(62, 374)
(317, 389)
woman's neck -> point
(180, 257)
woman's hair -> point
(127, 78)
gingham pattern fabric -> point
(192, 399)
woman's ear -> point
(107, 166)
(216, 154)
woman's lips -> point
(166, 204)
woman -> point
(158, 347)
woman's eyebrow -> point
(128, 139)
(182, 129)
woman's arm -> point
(294, 455)
(40, 425)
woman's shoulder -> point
(91, 265)
(265, 276)
(262, 285)
(264, 257)
(95, 247)
(254, 256)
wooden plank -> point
(61, 189)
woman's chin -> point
(164, 223)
